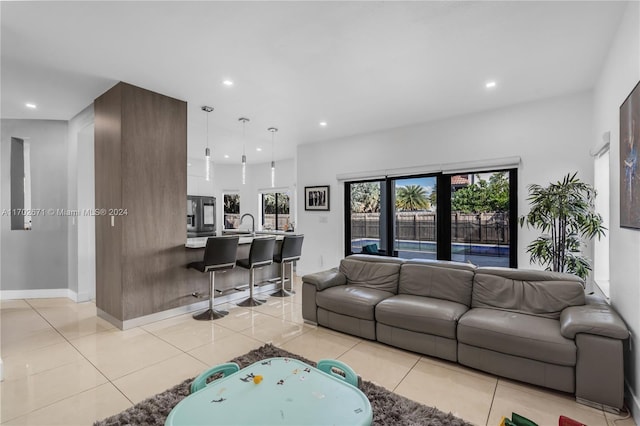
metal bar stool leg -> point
(291, 290)
(210, 314)
(251, 301)
(283, 291)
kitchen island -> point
(169, 291)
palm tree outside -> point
(412, 198)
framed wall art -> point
(629, 173)
(316, 198)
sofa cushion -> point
(351, 300)
(437, 278)
(376, 258)
(513, 333)
(372, 273)
(421, 314)
(540, 293)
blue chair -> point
(330, 365)
(200, 382)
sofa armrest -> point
(595, 318)
(325, 279)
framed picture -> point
(629, 173)
(316, 198)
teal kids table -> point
(290, 393)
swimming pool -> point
(478, 254)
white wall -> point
(228, 178)
(620, 73)
(551, 137)
(81, 194)
(86, 224)
(37, 259)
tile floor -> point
(65, 366)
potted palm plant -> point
(564, 212)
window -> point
(366, 226)
(468, 217)
(601, 245)
(415, 218)
(275, 211)
(480, 218)
(231, 211)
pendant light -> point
(207, 151)
(244, 156)
(273, 131)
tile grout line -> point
(407, 373)
(148, 365)
(82, 355)
(351, 347)
(234, 332)
(495, 390)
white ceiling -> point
(361, 66)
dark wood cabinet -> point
(140, 189)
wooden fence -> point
(480, 228)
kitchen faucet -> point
(253, 222)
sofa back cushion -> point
(377, 272)
(439, 279)
(541, 293)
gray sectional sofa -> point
(538, 327)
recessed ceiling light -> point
(323, 123)
(227, 82)
(258, 149)
(226, 156)
(189, 164)
(490, 84)
(30, 105)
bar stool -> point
(219, 254)
(290, 251)
(260, 254)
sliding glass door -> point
(366, 219)
(415, 219)
(467, 217)
(480, 218)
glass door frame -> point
(383, 221)
(513, 213)
(443, 212)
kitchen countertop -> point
(246, 232)
(201, 242)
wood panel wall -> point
(141, 166)
(108, 195)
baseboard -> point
(632, 403)
(598, 406)
(49, 293)
(83, 297)
(158, 316)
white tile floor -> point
(65, 366)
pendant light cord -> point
(244, 156)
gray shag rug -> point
(388, 408)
